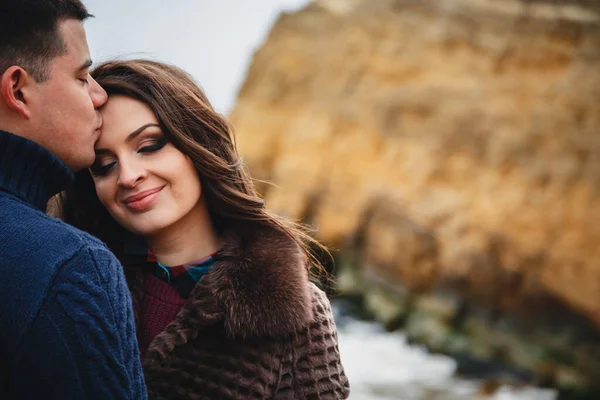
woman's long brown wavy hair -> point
(188, 120)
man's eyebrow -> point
(129, 137)
(86, 64)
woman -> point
(222, 297)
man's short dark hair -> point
(29, 34)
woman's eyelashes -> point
(153, 145)
(97, 169)
(102, 168)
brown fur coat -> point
(254, 327)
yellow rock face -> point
(461, 139)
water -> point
(383, 366)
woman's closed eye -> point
(152, 145)
(100, 168)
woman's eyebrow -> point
(139, 130)
(131, 136)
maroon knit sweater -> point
(160, 305)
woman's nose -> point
(130, 174)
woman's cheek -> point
(103, 192)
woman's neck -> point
(191, 238)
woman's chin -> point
(144, 230)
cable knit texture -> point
(66, 325)
(254, 327)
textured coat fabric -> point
(67, 329)
(253, 328)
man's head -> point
(46, 93)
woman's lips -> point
(143, 200)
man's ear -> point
(14, 88)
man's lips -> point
(100, 121)
(142, 200)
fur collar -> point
(261, 283)
(259, 286)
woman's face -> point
(146, 183)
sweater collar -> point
(29, 171)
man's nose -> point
(97, 93)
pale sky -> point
(212, 39)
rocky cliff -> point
(447, 145)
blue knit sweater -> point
(66, 323)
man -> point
(66, 323)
